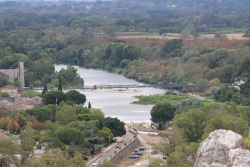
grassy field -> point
(172, 99)
(237, 36)
(153, 99)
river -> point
(115, 103)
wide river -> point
(115, 103)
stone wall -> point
(8, 99)
(125, 151)
(11, 74)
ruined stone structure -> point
(11, 74)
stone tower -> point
(21, 73)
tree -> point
(4, 81)
(65, 114)
(61, 158)
(54, 97)
(106, 163)
(68, 135)
(178, 158)
(89, 105)
(74, 97)
(170, 46)
(43, 114)
(162, 113)
(189, 103)
(191, 124)
(31, 93)
(115, 125)
(27, 142)
(60, 84)
(97, 114)
(45, 89)
(7, 151)
(91, 135)
(107, 134)
(4, 94)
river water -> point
(115, 103)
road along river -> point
(115, 102)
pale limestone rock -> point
(214, 151)
(239, 158)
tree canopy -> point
(162, 113)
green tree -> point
(45, 89)
(115, 125)
(7, 151)
(162, 113)
(27, 142)
(61, 158)
(54, 97)
(68, 135)
(43, 114)
(178, 159)
(107, 134)
(170, 46)
(106, 163)
(91, 135)
(89, 105)
(4, 94)
(97, 114)
(4, 81)
(228, 122)
(65, 114)
(74, 97)
(191, 124)
(189, 103)
(31, 93)
(60, 84)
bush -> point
(4, 94)
(38, 146)
(31, 93)
(169, 92)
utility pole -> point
(109, 139)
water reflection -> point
(118, 103)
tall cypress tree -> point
(60, 84)
(45, 89)
(89, 106)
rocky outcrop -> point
(223, 148)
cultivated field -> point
(237, 36)
(167, 36)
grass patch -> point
(153, 99)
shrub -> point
(31, 93)
(4, 94)
(38, 146)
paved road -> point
(128, 136)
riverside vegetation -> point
(86, 34)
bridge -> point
(131, 86)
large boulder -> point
(223, 148)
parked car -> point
(138, 153)
(134, 156)
(142, 148)
(117, 146)
(153, 152)
(165, 157)
(94, 163)
(137, 150)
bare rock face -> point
(223, 148)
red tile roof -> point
(8, 87)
